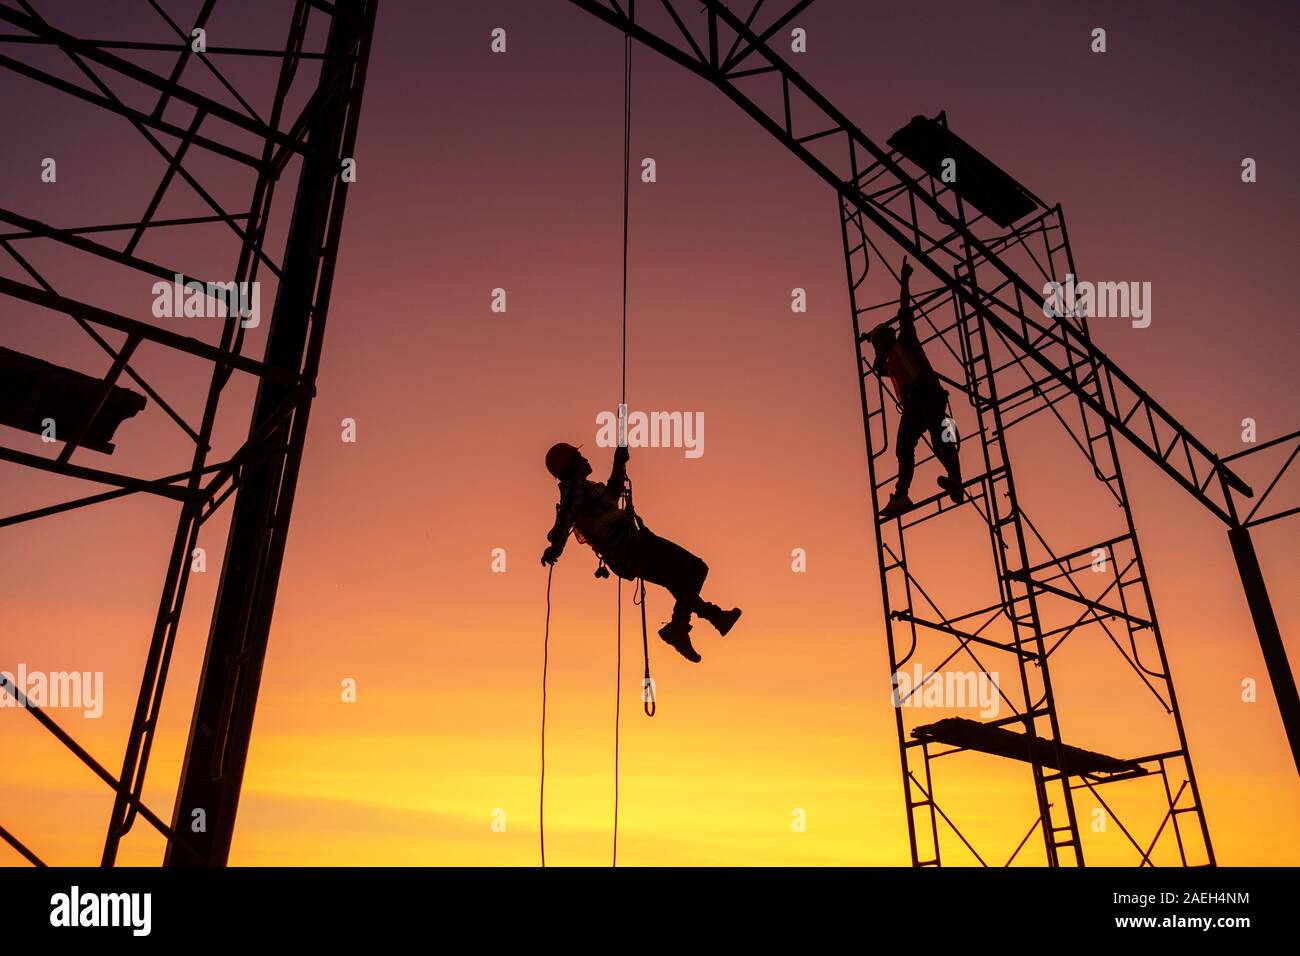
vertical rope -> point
(627, 163)
(546, 652)
(618, 679)
(618, 631)
(618, 659)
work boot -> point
(678, 634)
(952, 485)
(898, 504)
(720, 619)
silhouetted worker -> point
(627, 546)
(924, 402)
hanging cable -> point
(647, 685)
(627, 163)
(626, 495)
(627, 174)
(618, 679)
(622, 411)
(627, 492)
(546, 652)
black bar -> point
(805, 909)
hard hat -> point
(560, 457)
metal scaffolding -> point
(987, 243)
(219, 131)
(1040, 600)
(991, 245)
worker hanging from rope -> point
(624, 544)
(924, 401)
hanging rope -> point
(618, 679)
(627, 163)
(618, 619)
(638, 596)
(647, 695)
(546, 653)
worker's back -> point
(907, 363)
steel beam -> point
(222, 724)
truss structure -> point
(1051, 587)
(248, 115)
(990, 245)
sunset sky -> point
(478, 171)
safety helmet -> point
(881, 335)
(560, 457)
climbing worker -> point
(626, 545)
(924, 401)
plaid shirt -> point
(591, 509)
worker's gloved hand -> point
(621, 455)
(551, 554)
(907, 269)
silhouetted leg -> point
(945, 451)
(673, 567)
(911, 424)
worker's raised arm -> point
(906, 320)
(618, 474)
